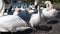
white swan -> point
(35, 19)
(11, 23)
(49, 11)
(2, 8)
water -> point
(25, 15)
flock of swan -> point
(14, 23)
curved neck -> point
(38, 9)
(2, 8)
(49, 6)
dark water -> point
(25, 15)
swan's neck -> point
(38, 9)
(49, 6)
(15, 13)
(2, 8)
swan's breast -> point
(35, 19)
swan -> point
(12, 23)
(49, 11)
(35, 19)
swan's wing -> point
(21, 21)
(11, 22)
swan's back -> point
(11, 21)
(49, 13)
